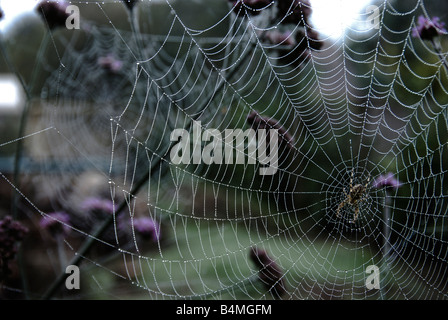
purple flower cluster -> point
(147, 228)
(386, 181)
(270, 274)
(110, 63)
(428, 29)
(57, 223)
(11, 232)
(53, 13)
(98, 205)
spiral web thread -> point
(363, 105)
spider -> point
(354, 197)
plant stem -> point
(24, 118)
(386, 244)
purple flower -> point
(386, 181)
(11, 232)
(53, 13)
(428, 29)
(98, 204)
(56, 223)
(110, 63)
(148, 228)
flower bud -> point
(386, 181)
(428, 29)
(57, 223)
(130, 3)
(53, 13)
(270, 274)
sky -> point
(332, 17)
(11, 94)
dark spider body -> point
(354, 197)
(356, 193)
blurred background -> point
(85, 121)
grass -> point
(209, 260)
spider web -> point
(366, 104)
